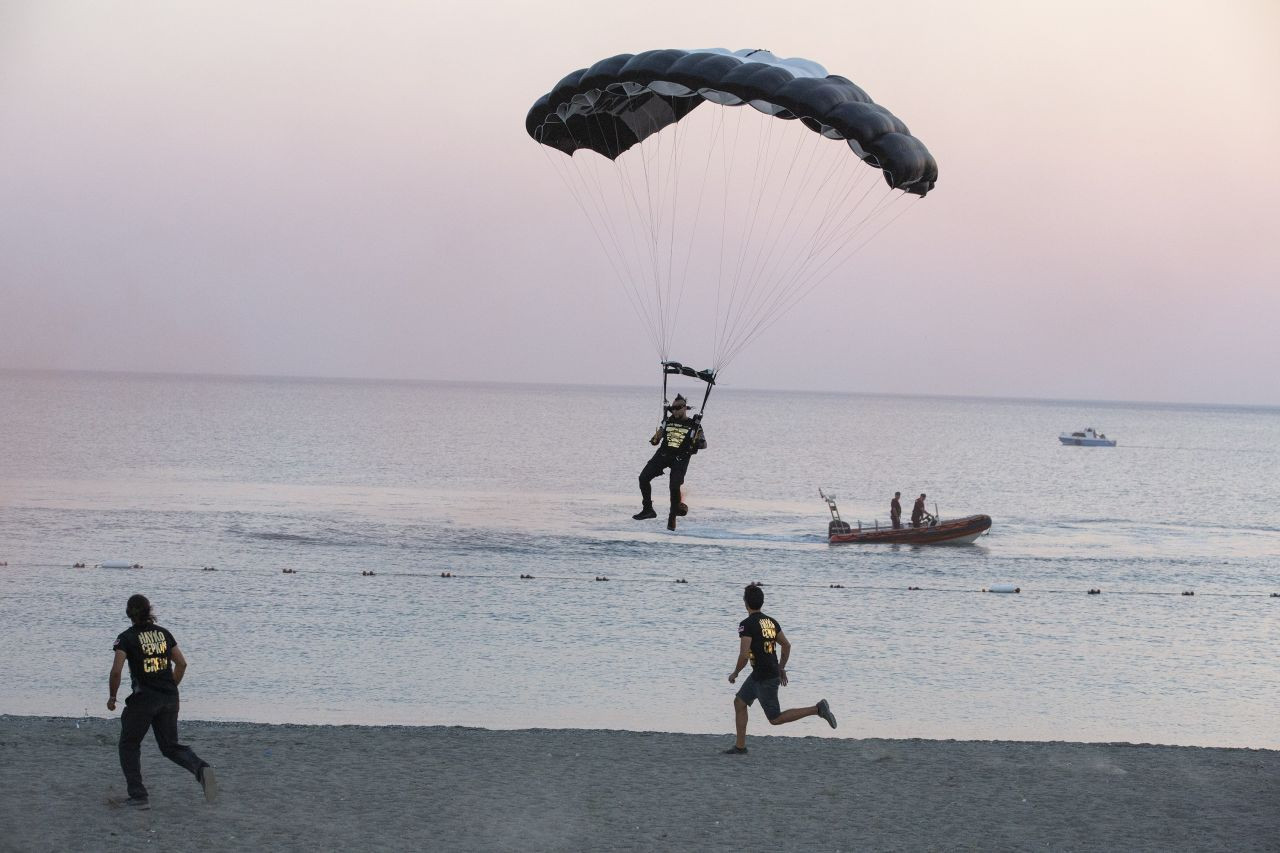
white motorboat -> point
(1087, 437)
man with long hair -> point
(156, 666)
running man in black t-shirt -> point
(156, 665)
(759, 636)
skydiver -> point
(677, 439)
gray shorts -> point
(766, 691)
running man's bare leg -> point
(822, 709)
(792, 714)
(740, 721)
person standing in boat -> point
(895, 511)
(917, 511)
(677, 438)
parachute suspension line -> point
(900, 202)
(827, 238)
(804, 234)
(761, 278)
(806, 274)
(813, 247)
(748, 233)
(622, 218)
(814, 279)
(785, 299)
(819, 280)
(657, 213)
(673, 184)
(584, 169)
(835, 247)
(649, 218)
(623, 175)
(565, 173)
(697, 215)
(748, 222)
(751, 248)
(726, 155)
(664, 162)
(613, 216)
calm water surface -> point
(490, 482)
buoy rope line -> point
(451, 575)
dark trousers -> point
(159, 713)
(897, 521)
(660, 461)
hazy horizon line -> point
(511, 382)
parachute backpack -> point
(740, 213)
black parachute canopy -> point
(622, 100)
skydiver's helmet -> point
(679, 406)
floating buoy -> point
(1095, 592)
(1188, 592)
(1003, 587)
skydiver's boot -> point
(682, 510)
(645, 512)
(671, 521)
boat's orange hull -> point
(957, 531)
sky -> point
(347, 189)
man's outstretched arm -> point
(179, 665)
(113, 680)
(744, 655)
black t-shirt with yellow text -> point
(764, 656)
(680, 437)
(148, 648)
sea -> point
(355, 552)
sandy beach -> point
(449, 788)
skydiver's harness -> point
(671, 368)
